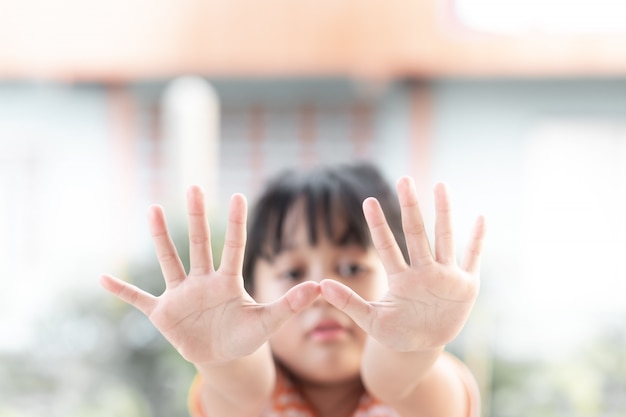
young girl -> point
(338, 308)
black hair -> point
(328, 193)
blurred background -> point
(107, 107)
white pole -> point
(191, 131)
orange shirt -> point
(287, 401)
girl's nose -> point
(317, 274)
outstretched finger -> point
(235, 240)
(382, 237)
(129, 293)
(413, 224)
(444, 241)
(345, 299)
(471, 259)
(171, 265)
(200, 256)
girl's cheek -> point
(372, 289)
(272, 291)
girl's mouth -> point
(327, 331)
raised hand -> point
(206, 314)
(429, 299)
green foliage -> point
(95, 357)
(589, 383)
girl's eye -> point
(349, 269)
(295, 274)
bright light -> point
(542, 16)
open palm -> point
(429, 299)
(207, 315)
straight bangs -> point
(326, 205)
(328, 199)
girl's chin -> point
(324, 374)
(329, 379)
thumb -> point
(345, 299)
(292, 302)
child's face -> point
(321, 344)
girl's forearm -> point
(391, 375)
(424, 383)
(224, 385)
